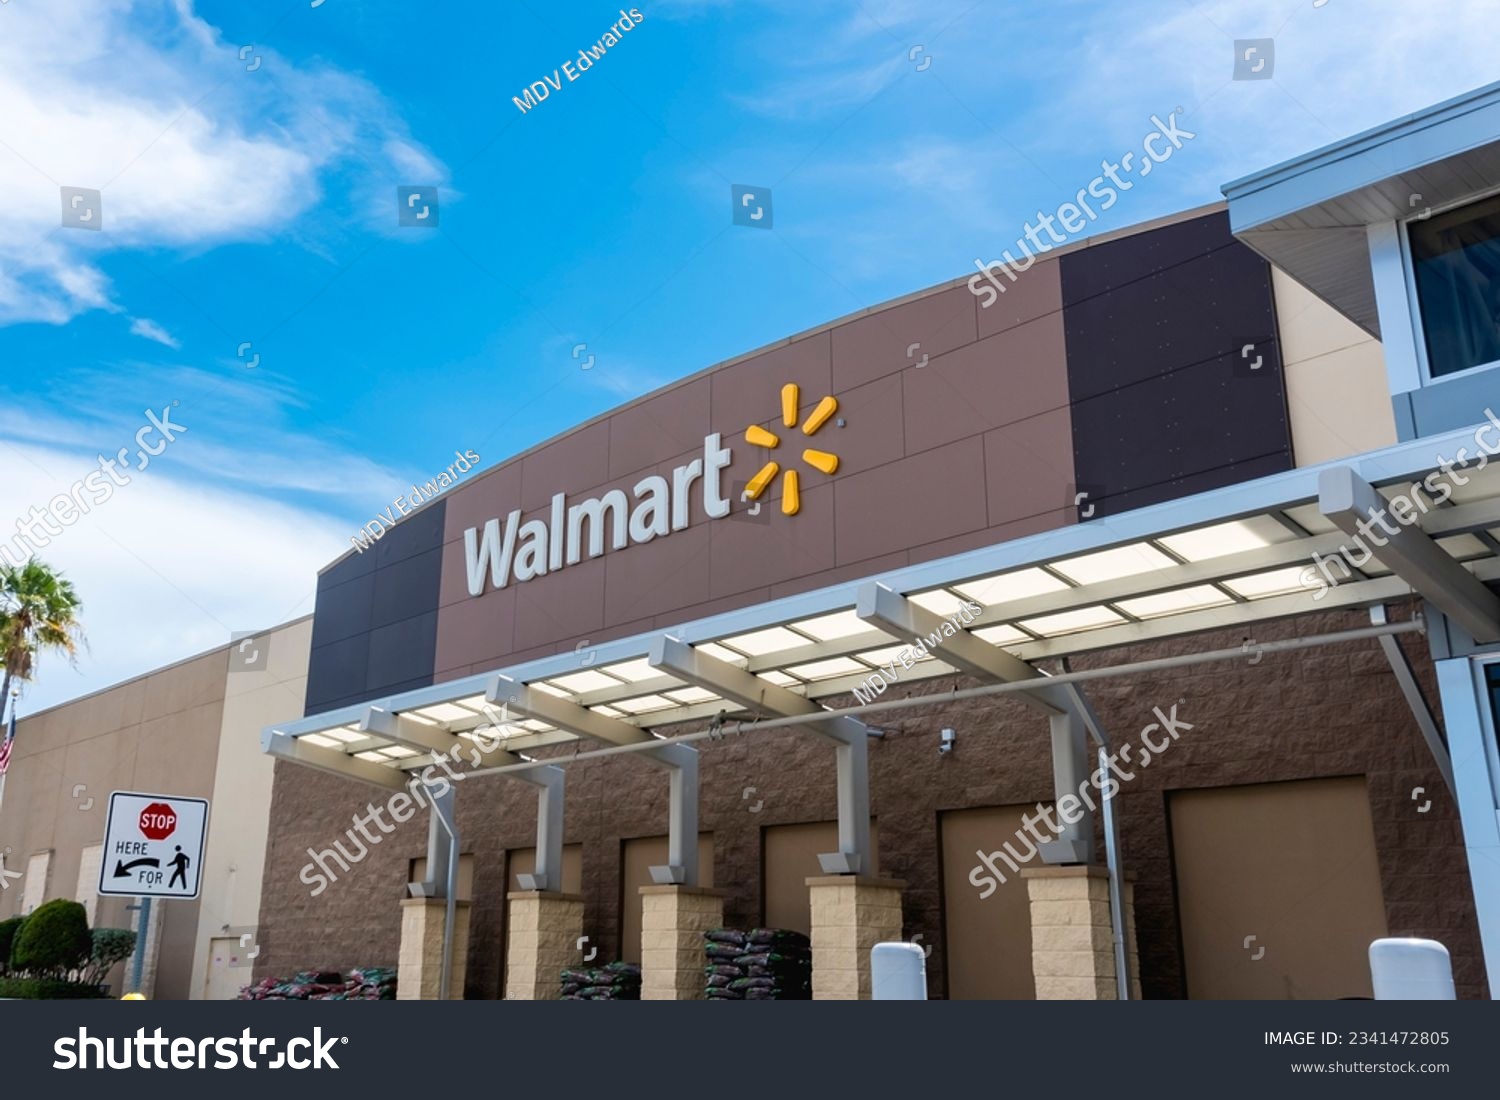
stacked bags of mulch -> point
(305, 985)
(763, 964)
(618, 981)
(366, 983)
(370, 983)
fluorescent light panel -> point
(1277, 582)
(587, 680)
(1235, 537)
(828, 628)
(824, 670)
(758, 643)
(1173, 602)
(1006, 587)
(1070, 622)
(1110, 565)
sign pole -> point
(144, 926)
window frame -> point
(1414, 304)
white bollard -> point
(1411, 970)
(898, 972)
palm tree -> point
(38, 611)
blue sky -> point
(247, 202)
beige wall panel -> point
(239, 814)
(465, 874)
(637, 856)
(523, 862)
(87, 891)
(988, 940)
(1338, 395)
(789, 857)
(1292, 864)
(38, 872)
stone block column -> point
(673, 920)
(542, 932)
(419, 969)
(1132, 956)
(850, 915)
(1072, 944)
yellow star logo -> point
(756, 436)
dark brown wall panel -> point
(1164, 403)
(375, 620)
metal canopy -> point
(1229, 558)
(1309, 215)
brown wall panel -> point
(912, 441)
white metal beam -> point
(744, 688)
(680, 760)
(1354, 505)
(562, 713)
(761, 697)
(550, 782)
(406, 731)
(1471, 739)
(1406, 680)
(276, 743)
(902, 619)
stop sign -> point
(158, 820)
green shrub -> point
(54, 940)
(8, 930)
(111, 945)
(47, 989)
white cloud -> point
(165, 568)
(149, 329)
(239, 429)
(143, 101)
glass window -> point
(1456, 256)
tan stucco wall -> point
(190, 729)
(1337, 393)
(236, 851)
(156, 733)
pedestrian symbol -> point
(179, 865)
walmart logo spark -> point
(756, 436)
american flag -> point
(10, 736)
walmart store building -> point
(1132, 485)
(1137, 488)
